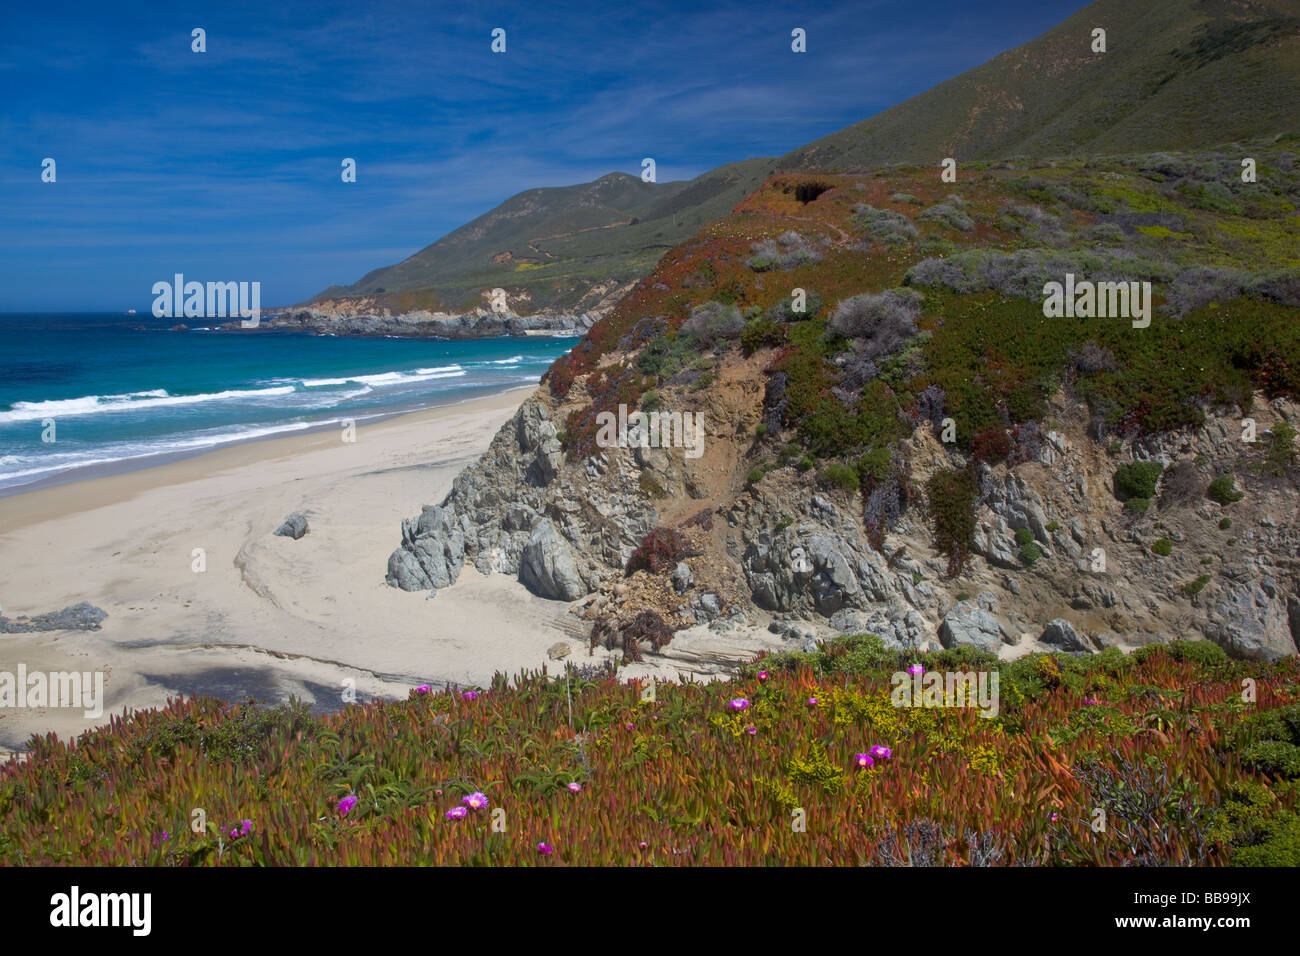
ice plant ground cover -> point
(1185, 770)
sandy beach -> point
(269, 616)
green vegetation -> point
(1159, 739)
(1137, 480)
(951, 495)
(1225, 522)
(1029, 549)
(1163, 547)
(841, 476)
(1221, 490)
(1195, 587)
(885, 225)
(1280, 453)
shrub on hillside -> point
(1280, 454)
(784, 311)
(627, 633)
(1197, 287)
(841, 476)
(952, 495)
(1137, 479)
(1024, 272)
(946, 214)
(660, 550)
(1221, 490)
(713, 324)
(784, 252)
(1091, 358)
(885, 225)
(1180, 484)
(761, 333)
(882, 321)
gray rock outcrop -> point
(1061, 633)
(524, 510)
(548, 567)
(294, 526)
(971, 624)
(1248, 622)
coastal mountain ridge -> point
(1222, 70)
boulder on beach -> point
(294, 526)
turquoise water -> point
(124, 392)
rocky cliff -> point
(367, 317)
(927, 462)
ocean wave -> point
(128, 402)
(381, 379)
(54, 464)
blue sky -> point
(225, 165)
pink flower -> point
(881, 753)
(475, 801)
(457, 813)
(864, 761)
(575, 787)
(346, 805)
(644, 845)
(1052, 818)
(630, 726)
(751, 730)
(1090, 700)
(812, 701)
(738, 704)
(916, 669)
(763, 675)
(423, 689)
(470, 694)
(545, 849)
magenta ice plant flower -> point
(739, 703)
(346, 805)
(545, 849)
(751, 730)
(763, 675)
(864, 761)
(575, 787)
(881, 753)
(470, 694)
(475, 801)
(812, 701)
(457, 813)
(916, 669)
(423, 689)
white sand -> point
(269, 613)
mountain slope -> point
(550, 247)
(1176, 74)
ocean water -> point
(122, 391)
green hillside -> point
(557, 243)
(1176, 74)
